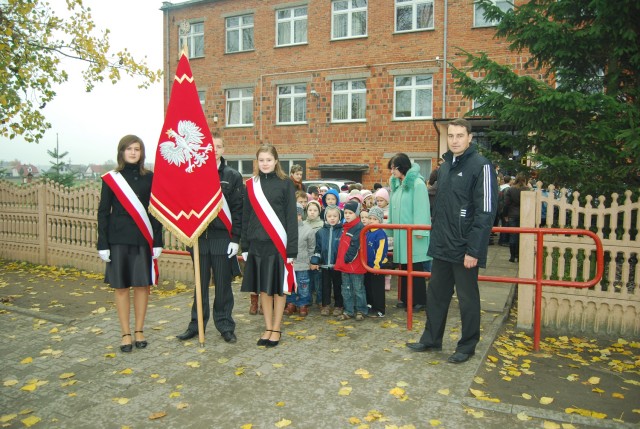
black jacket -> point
(282, 196)
(466, 205)
(115, 225)
(327, 241)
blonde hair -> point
(270, 149)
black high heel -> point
(141, 344)
(126, 348)
(274, 343)
(264, 341)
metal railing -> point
(538, 281)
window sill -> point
(288, 124)
(291, 45)
(349, 38)
(240, 126)
(240, 52)
(353, 121)
(420, 30)
(422, 118)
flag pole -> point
(196, 267)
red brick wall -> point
(378, 54)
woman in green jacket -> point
(409, 205)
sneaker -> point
(337, 311)
(376, 314)
(343, 316)
(359, 316)
(325, 311)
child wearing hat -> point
(300, 299)
(382, 201)
(315, 278)
(348, 262)
(324, 259)
(377, 248)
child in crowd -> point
(330, 198)
(368, 199)
(315, 278)
(364, 216)
(302, 199)
(324, 259)
(382, 201)
(348, 262)
(376, 256)
(301, 298)
(314, 192)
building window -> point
(349, 101)
(287, 163)
(292, 103)
(478, 13)
(349, 19)
(291, 26)
(414, 15)
(194, 39)
(239, 107)
(413, 97)
(242, 166)
(201, 97)
(239, 33)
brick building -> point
(336, 85)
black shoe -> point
(419, 347)
(401, 304)
(274, 343)
(419, 307)
(141, 344)
(187, 335)
(229, 337)
(459, 357)
(264, 341)
(126, 348)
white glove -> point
(245, 255)
(157, 251)
(232, 250)
(105, 255)
(289, 260)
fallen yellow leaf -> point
(26, 360)
(492, 358)
(157, 415)
(193, 364)
(526, 396)
(593, 380)
(126, 371)
(10, 383)
(29, 387)
(617, 395)
(523, 416)
(283, 423)
(435, 423)
(586, 413)
(354, 420)
(597, 390)
(7, 418)
(345, 391)
(239, 371)
(478, 380)
(444, 392)
(121, 401)
(550, 425)
(280, 404)
(247, 426)
(66, 375)
(174, 395)
(477, 393)
(568, 426)
(30, 421)
(634, 382)
(182, 405)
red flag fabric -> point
(186, 193)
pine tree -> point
(576, 106)
(57, 171)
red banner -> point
(186, 193)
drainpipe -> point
(444, 63)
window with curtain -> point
(239, 107)
(291, 26)
(242, 166)
(239, 33)
(194, 40)
(478, 13)
(348, 19)
(412, 15)
(349, 101)
(413, 97)
(292, 103)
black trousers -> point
(331, 279)
(374, 285)
(419, 285)
(444, 275)
(222, 268)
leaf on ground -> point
(634, 382)
(29, 387)
(278, 365)
(478, 380)
(157, 415)
(10, 383)
(363, 373)
(573, 377)
(594, 380)
(66, 375)
(121, 401)
(247, 426)
(182, 405)
(224, 360)
(550, 425)
(399, 393)
(280, 404)
(586, 413)
(492, 358)
(239, 371)
(617, 395)
(597, 390)
(354, 420)
(444, 392)
(523, 416)
(283, 423)
(526, 396)
(30, 421)
(126, 371)
(26, 360)
(434, 422)
(174, 395)
(345, 390)
(477, 393)
(193, 364)
(7, 418)
(110, 355)
(546, 400)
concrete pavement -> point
(329, 374)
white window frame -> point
(238, 164)
(240, 28)
(478, 13)
(349, 12)
(201, 97)
(349, 92)
(296, 93)
(414, 87)
(292, 20)
(191, 38)
(414, 14)
(287, 163)
(425, 166)
(240, 100)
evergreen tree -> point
(576, 107)
(57, 171)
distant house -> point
(23, 170)
(94, 171)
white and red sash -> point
(136, 210)
(225, 215)
(272, 225)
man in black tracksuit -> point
(466, 205)
(218, 250)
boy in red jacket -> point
(348, 262)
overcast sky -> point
(89, 125)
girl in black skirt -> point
(269, 239)
(125, 247)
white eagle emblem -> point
(187, 148)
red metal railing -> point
(538, 281)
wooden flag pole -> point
(196, 266)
